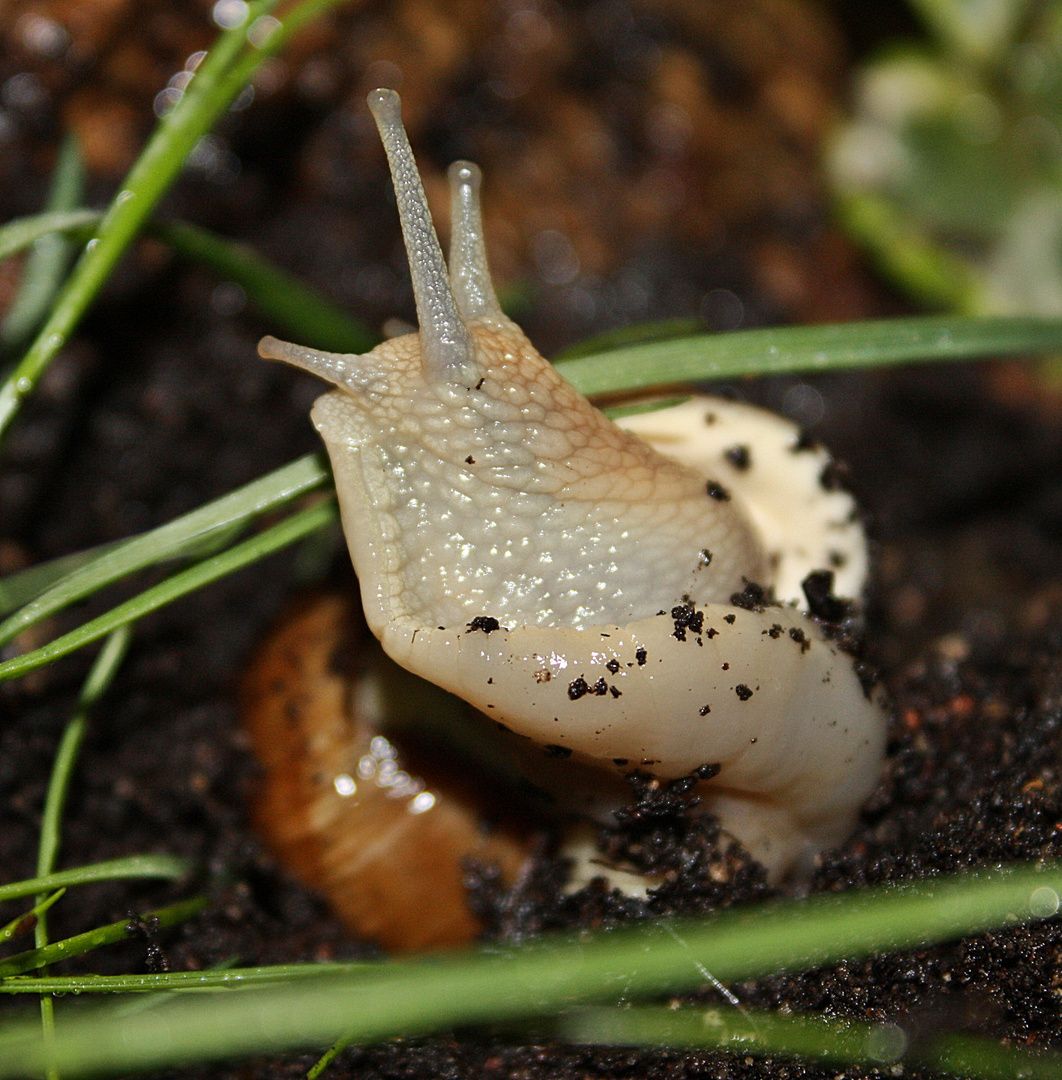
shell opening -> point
(469, 273)
(446, 345)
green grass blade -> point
(22, 923)
(743, 1031)
(166, 867)
(174, 981)
(24, 232)
(972, 1055)
(208, 93)
(103, 670)
(58, 787)
(25, 586)
(94, 939)
(183, 536)
(48, 262)
(270, 36)
(638, 408)
(301, 311)
(195, 577)
(99, 678)
(329, 1056)
(810, 349)
(840, 1042)
(304, 314)
(907, 255)
(413, 997)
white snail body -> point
(573, 582)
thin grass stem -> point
(976, 1056)
(195, 532)
(330, 1055)
(24, 232)
(176, 981)
(810, 350)
(301, 311)
(286, 532)
(217, 81)
(744, 1031)
(50, 258)
(27, 920)
(33, 959)
(99, 678)
(129, 867)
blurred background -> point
(643, 159)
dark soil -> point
(160, 404)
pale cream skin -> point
(520, 550)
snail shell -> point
(576, 583)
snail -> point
(611, 597)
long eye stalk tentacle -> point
(446, 345)
(469, 273)
(335, 367)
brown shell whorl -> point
(392, 874)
